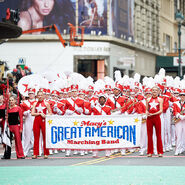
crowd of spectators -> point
(13, 78)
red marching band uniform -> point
(15, 120)
(154, 121)
(39, 123)
(122, 98)
(179, 113)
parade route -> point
(129, 169)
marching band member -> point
(154, 109)
(123, 97)
(26, 105)
(141, 109)
(101, 109)
(39, 110)
(176, 98)
(179, 113)
(166, 95)
(15, 120)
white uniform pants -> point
(180, 134)
(143, 138)
(167, 129)
(27, 136)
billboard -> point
(92, 14)
(121, 18)
(37, 14)
(113, 17)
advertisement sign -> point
(126, 62)
(92, 14)
(176, 61)
(37, 13)
(121, 18)
(93, 132)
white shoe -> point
(51, 152)
(176, 153)
(82, 153)
(181, 151)
(75, 152)
(86, 152)
(132, 150)
(68, 153)
(141, 152)
(94, 155)
(116, 151)
(55, 151)
(63, 151)
(123, 152)
(167, 149)
(155, 153)
(90, 151)
(107, 153)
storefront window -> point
(87, 68)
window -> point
(87, 68)
(168, 43)
(175, 47)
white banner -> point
(93, 132)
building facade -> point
(169, 37)
(104, 50)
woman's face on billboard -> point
(43, 7)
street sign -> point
(22, 61)
(176, 61)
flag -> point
(6, 135)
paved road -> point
(116, 159)
(129, 169)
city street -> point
(117, 169)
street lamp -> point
(179, 18)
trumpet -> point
(119, 108)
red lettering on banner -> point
(110, 141)
(88, 123)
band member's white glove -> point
(126, 113)
(79, 109)
(92, 105)
(59, 112)
(26, 113)
(182, 117)
(116, 113)
(55, 109)
(69, 112)
(177, 115)
(86, 111)
(144, 116)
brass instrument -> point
(143, 120)
(117, 109)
